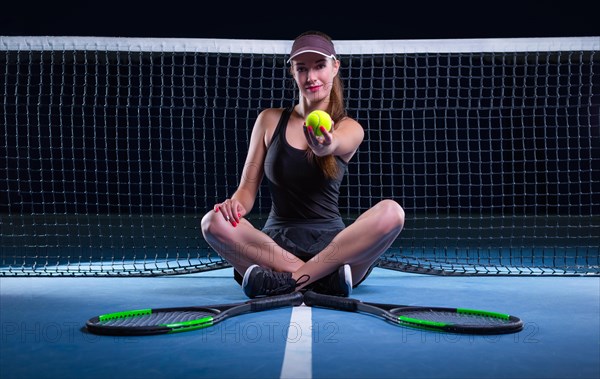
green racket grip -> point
(344, 304)
(292, 299)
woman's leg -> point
(359, 245)
(244, 245)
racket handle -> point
(263, 304)
(342, 303)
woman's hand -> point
(231, 210)
(320, 145)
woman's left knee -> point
(393, 214)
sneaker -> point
(338, 283)
(259, 281)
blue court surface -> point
(42, 332)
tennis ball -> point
(319, 118)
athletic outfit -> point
(304, 216)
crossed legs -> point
(359, 245)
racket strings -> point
(448, 317)
(158, 318)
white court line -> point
(297, 359)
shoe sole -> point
(348, 278)
(246, 278)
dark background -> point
(286, 19)
(516, 161)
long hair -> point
(337, 111)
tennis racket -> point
(183, 319)
(453, 320)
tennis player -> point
(304, 242)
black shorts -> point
(304, 238)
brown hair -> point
(336, 110)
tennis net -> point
(114, 148)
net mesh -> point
(113, 150)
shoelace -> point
(276, 282)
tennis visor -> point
(312, 43)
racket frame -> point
(393, 314)
(219, 313)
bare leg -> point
(359, 245)
(244, 245)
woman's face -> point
(314, 75)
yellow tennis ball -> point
(318, 118)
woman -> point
(304, 241)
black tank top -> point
(299, 189)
